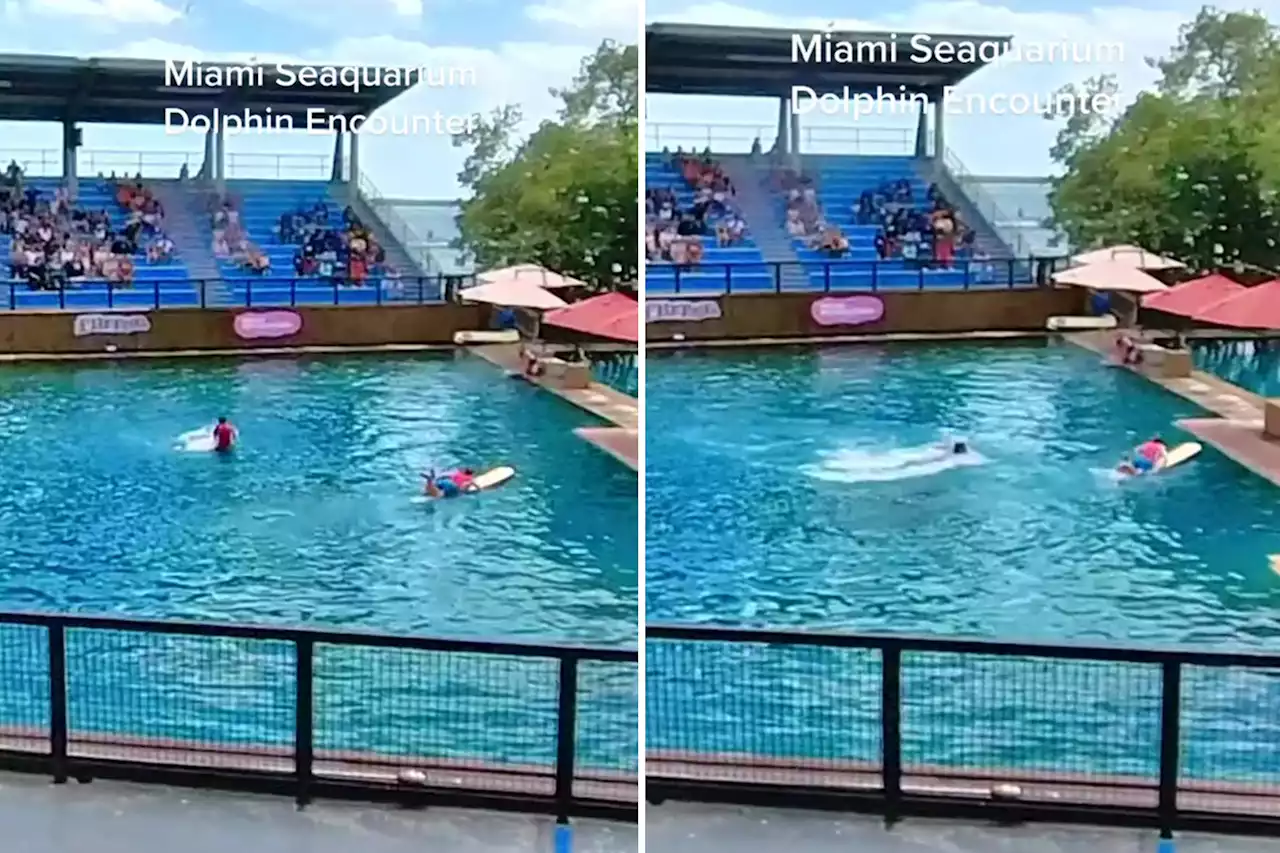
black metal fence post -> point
(566, 734)
(58, 701)
(304, 721)
(891, 731)
(1170, 742)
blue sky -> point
(987, 145)
(517, 50)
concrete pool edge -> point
(882, 338)
(1235, 425)
(621, 439)
(129, 355)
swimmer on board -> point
(224, 435)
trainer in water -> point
(224, 436)
(1149, 456)
(450, 484)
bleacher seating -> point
(747, 272)
(168, 282)
(841, 180)
(261, 204)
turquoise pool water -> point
(1253, 365)
(793, 488)
(313, 522)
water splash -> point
(853, 465)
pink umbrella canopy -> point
(1132, 256)
(529, 274)
(609, 315)
(513, 294)
(1195, 295)
(1256, 308)
(1112, 276)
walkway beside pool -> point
(621, 441)
(1237, 429)
(115, 817)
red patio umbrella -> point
(609, 315)
(1195, 295)
(1255, 308)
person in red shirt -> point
(224, 436)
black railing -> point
(321, 714)
(846, 276)
(247, 292)
(1172, 739)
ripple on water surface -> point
(312, 519)
(796, 488)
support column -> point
(70, 156)
(335, 175)
(939, 135)
(795, 135)
(784, 124)
(922, 133)
(353, 171)
(220, 160)
(206, 168)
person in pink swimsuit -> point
(1150, 455)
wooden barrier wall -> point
(804, 315)
(177, 329)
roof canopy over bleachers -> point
(688, 59)
(134, 91)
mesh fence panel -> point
(470, 714)
(1230, 740)
(193, 700)
(1028, 718)
(24, 701)
(764, 713)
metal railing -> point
(983, 201)
(400, 230)
(321, 713)
(248, 292)
(1174, 739)
(839, 276)
(47, 163)
(737, 138)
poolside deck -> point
(621, 441)
(1237, 429)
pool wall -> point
(824, 315)
(174, 330)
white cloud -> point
(1023, 141)
(343, 15)
(616, 19)
(107, 11)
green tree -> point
(1192, 168)
(566, 196)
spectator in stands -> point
(731, 230)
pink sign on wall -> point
(267, 324)
(847, 310)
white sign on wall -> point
(680, 310)
(110, 324)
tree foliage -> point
(566, 196)
(1191, 169)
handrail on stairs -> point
(983, 201)
(410, 241)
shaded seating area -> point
(841, 181)
(261, 204)
(167, 284)
(746, 271)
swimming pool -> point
(1253, 365)
(798, 491)
(314, 521)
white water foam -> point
(850, 465)
(196, 441)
